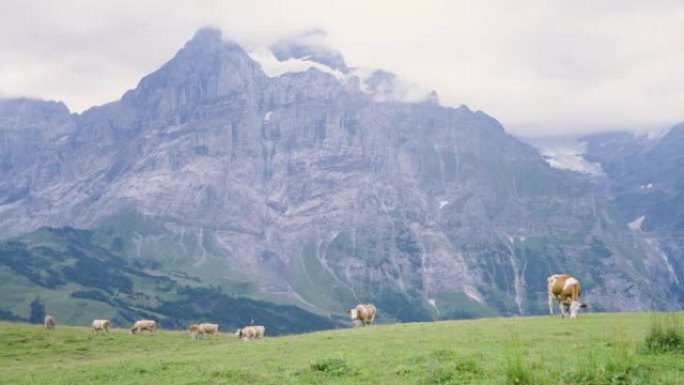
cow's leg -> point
(551, 298)
(562, 309)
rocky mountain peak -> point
(32, 109)
(322, 189)
(208, 70)
(33, 119)
(206, 37)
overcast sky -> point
(539, 67)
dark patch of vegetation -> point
(90, 272)
(445, 366)
(517, 370)
(666, 335)
(406, 242)
(333, 367)
(117, 244)
(620, 368)
(402, 307)
(9, 316)
(31, 264)
(95, 295)
(599, 249)
(37, 313)
(202, 303)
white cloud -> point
(537, 66)
(274, 68)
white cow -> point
(201, 330)
(251, 332)
(101, 324)
(49, 322)
(141, 325)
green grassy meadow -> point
(593, 349)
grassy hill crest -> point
(593, 349)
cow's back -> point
(556, 284)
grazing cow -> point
(141, 325)
(203, 329)
(251, 332)
(363, 314)
(49, 322)
(567, 291)
(101, 324)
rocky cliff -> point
(307, 188)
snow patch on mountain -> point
(566, 153)
(636, 224)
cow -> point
(203, 329)
(567, 291)
(251, 332)
(363, 314)
(101, 324)
(49, 322)
(141, 325)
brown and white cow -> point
(141, 325)
(101, 324)
(363, 314)
(251, 332)
(567, 291)
(49, 322)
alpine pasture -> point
(592, 349)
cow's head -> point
(353, 313)
(575, 306)
(238, 333)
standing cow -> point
(49, 322)
(141, 325)
(101, 324)
(567, 291)
(251, 332)
(362, 314)
(201, 330)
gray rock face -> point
(645, 180)
(305, 188)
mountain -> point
(645, 182)
(308, 189)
